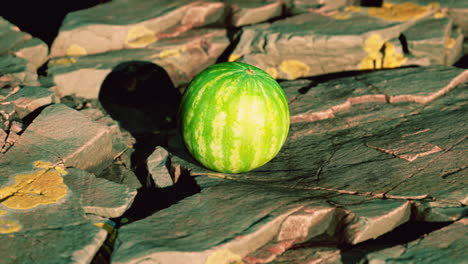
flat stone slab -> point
(38, 204)
(99, 196)
(61, 135)
(30, 98)
(355, 38)
(252, 12)
(181, 56)
(22, 45)
(114, 25)
(367, 168)
(20, 56)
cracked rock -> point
(62, 135)
(366, 167)
(355, 39)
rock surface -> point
(20, 56)
(365, 161)
(356, 38)
(182, 57)
(93, 170)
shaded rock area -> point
(93, 169)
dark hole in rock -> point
(462, 62)
(404, 43)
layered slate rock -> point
(365, 154)
(253, 12)
(99, 196)
(114, 25)
(20, 56)
(62, 135)
(443, 245)
(30, 98)
(456, 10)
(158, 166)
(41, 198)
(320, 6)
(356, 38)
(181, 56)
(50, 202)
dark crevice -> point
(234, 37)
(372, 3)
(29, 118)
(403, 234)
(404, 43)
(315, 80)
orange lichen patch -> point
(380, 54)
(224, 256)
(272, 71)
(401, 12)
(140, 36)
(9, 226)
(76, 50)
(233, 57)
(33, 189)
(294, 69)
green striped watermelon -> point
(234, 117)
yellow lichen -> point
(169, 53)
(9, 226)
(272, 71)
(392, 58)
(139, 37)
(33, 189)
(106, 226)
(2, 212)
(342, 16)
(224, 256)
(439, 14)
(380, 54)
(233, 57)
(63, 61)
(47, 165)
(76, 50)
(401, 12)
(353, 8)
(449, 43)
(294, 69)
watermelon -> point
(234, 117)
